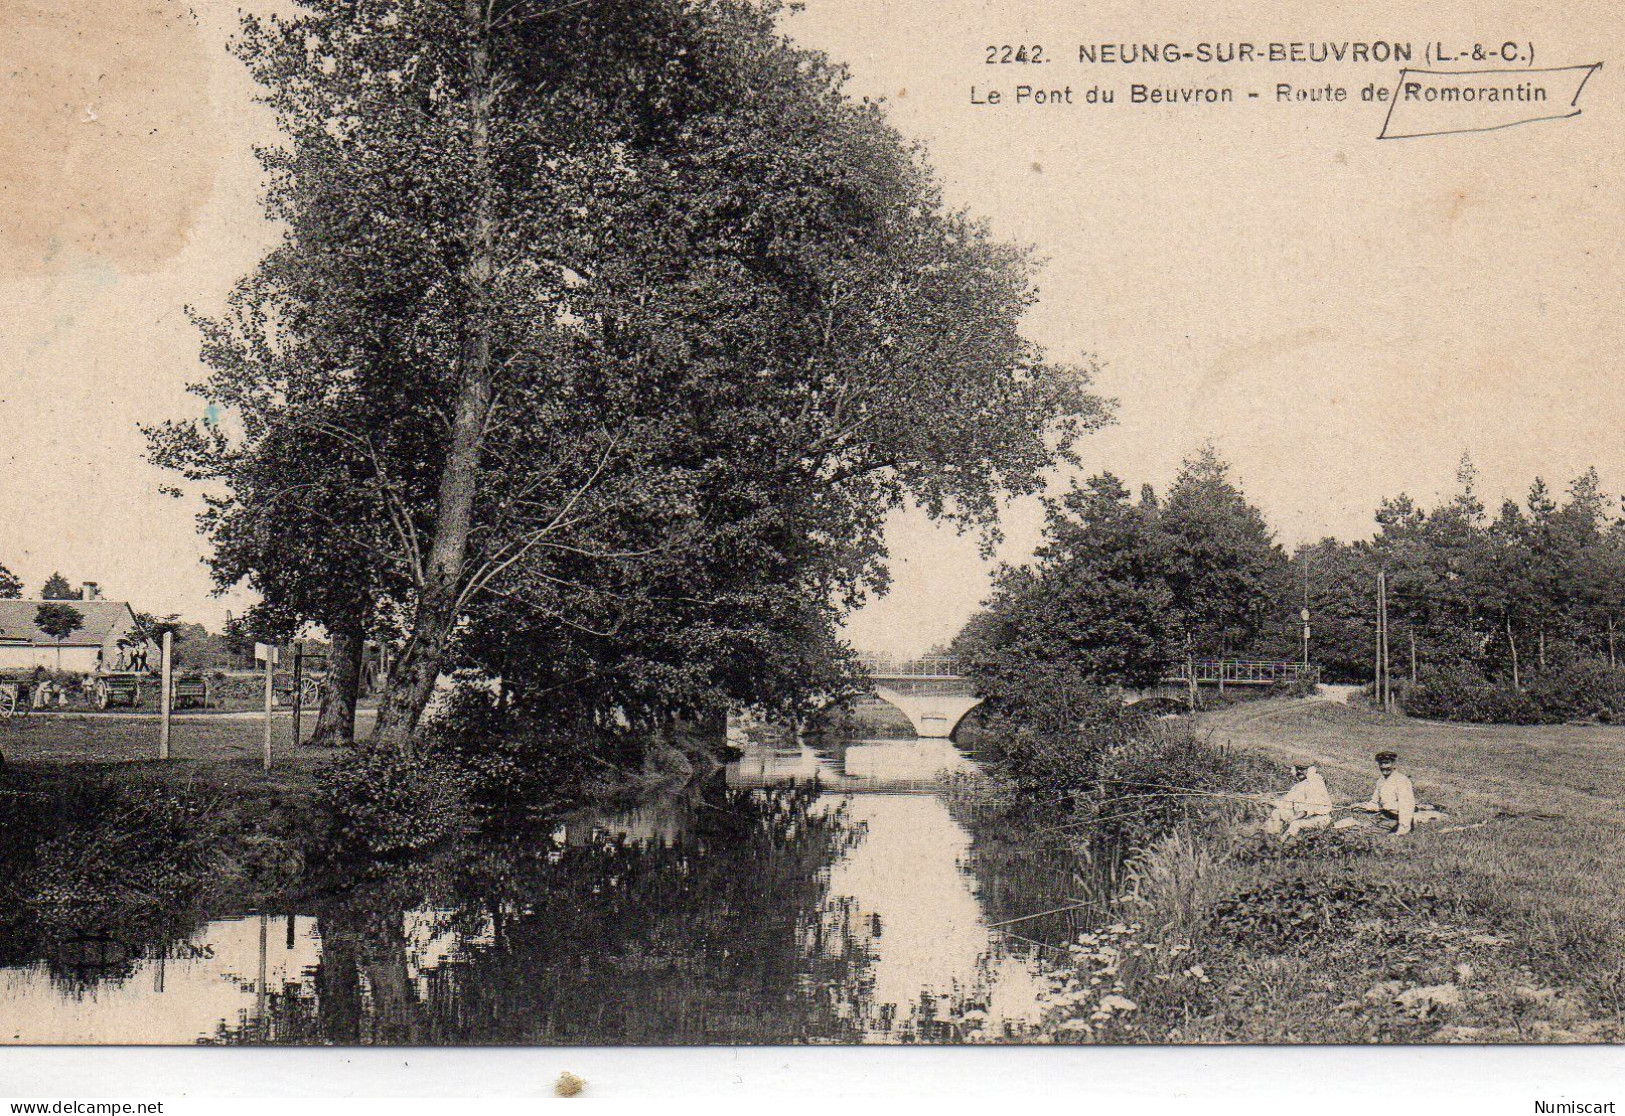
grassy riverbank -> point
(213, 753)
(1504, 922)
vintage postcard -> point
(689, 522)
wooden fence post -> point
(270, 697)
(167, 698)
(298, 687)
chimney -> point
(90, 591)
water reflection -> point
(225, 975)
(810, 894)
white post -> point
(167, 697)
(270, 697)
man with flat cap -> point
(1393, 798)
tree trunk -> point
(412, 678)
(1540, 650)
(397, 1016)
(1512, 642)
(335, 725)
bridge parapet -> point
(940, 667)
(1237, 672)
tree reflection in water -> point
(774, 913)
(682, 922)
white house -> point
(94, 647)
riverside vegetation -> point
(1500, 923)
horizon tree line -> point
(1122, 590)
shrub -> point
(1054, 752)
(388, 803)
(1305, 685)
(1458, 694)
(1566, 690)
(132, 846)
(1578, 690)
(1163, 778)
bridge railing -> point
(1241, 672)
(928, 666)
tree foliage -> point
(604, 338)
(57, 588)
(59, 621)
(11, 586)
(1120, 590)
(1501, 597)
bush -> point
(1579, 690)
(1051, 747)
(518, 761)
(137, 846)
(1458, 694)
(1162, 778)
(389, 804)
(130, 864)
(1567, 690)
(1307, 684)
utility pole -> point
(1376, 660)
(1384, 686)
(1305, 612)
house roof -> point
(101, 620)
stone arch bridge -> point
(935, 697)
(930, 692)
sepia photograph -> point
(693, 523)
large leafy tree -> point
(613, 321)
(1095, 602)
(1503, 595)
(1226, 573)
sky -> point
(1343, 317)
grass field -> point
(1503, 922)
(223, 752)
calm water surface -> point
(813, 894)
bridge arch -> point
(934, 716)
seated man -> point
(1307, 805)
(1393, 797)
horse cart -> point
(308, 682)
(118, 688)
(189, 691)
(15, 697)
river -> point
(810, 894)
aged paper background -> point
(1343, 316)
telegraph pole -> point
(1305, 612)
(1383, 695)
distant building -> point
(95, 646)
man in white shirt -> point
(1393, 798)
(1307, 805)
